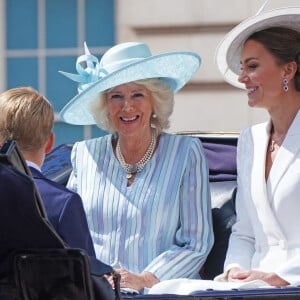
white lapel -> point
(259, 191)
(286, 153)
(260, 135)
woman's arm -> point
(194, 236)
(241, 243)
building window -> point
(45, 36)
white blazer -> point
(266, 235)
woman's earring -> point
(154, 116)
(285, 85)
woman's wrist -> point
(230, 273)
(275, 280)
(149, 279)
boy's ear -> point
(50, 143)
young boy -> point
(27, 117)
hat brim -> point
(174, 68)
(228, 52)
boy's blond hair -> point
(25, 116)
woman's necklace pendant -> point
(272, 146)
(129, 175)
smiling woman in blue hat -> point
(145, 192)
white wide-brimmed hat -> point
(121, 64)
(228, 52)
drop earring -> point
(285, 85)
(153, 116)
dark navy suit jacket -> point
(65, 212)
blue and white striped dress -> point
(162, 222)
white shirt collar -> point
(33, 165)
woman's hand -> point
(135, 281)
(235, 274)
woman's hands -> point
(235, 274)
(135, 281)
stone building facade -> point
(206, 103)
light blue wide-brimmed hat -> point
(121, 64)
(228, 53)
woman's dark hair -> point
(283, 43)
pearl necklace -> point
(131, 169)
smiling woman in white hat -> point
(262, 55)
(145, 192)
